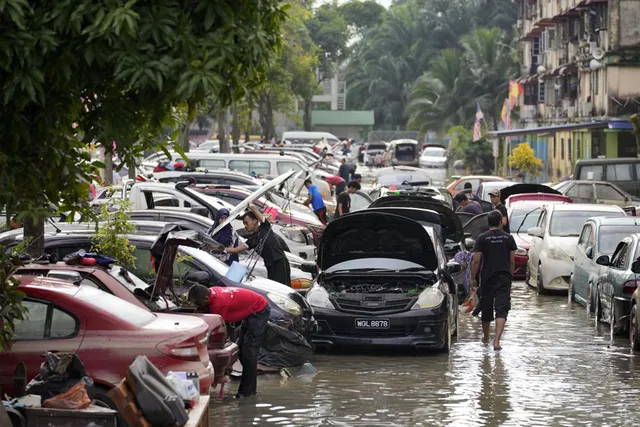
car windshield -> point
(569, 223)
(611, 235)
(434, 152)
(387, 180)
(519, 222)
(127, 278)
(117, 307)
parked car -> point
(624, 172)
(554, 241)
(116, 280)
(287, 305)
(433, 156)
(475, 180)
(372, 150)
(106, 332)
(616, 285)
(384, 281)
(404, 152)
(215, 177)
(601, 192)
(599, 237)
(634, 310)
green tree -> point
(330, 33)
(74, 72)
(111, 237)
(477, 155)
(523, 158)
(361, 15)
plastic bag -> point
(282, 348)
(471, 302)
(74, 398)
(185, 389)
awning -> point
(614, 124)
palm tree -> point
(444, 96)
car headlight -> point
(556, 252)
(294, 234)
(318, 229)
(429, 298)
(285, 303)
(522, 252)
(318, 297)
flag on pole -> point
(477, 130)
(515, 90)
(506, 114)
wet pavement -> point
(555, 369)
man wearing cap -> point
(497, 205)
(466, 205)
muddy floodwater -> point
(555, 369)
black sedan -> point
(384, 281)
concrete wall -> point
(622, 82)
(628, 27)
(356, 132)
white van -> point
(299, 137)
(266, 166)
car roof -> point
(624, 220)
(614, 160)
(584, 207)
(496, 183)
(585, 181)
(48, 284)
(497, 178)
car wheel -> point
(527, 276)
(457, 328)
(597, 307)
(539, 286)
(634, 339)
(589, 305)
(570, 292)
(614, 327)
(102, 399)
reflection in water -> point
(555, 369)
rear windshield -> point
(124, 310)
(569, 223)
(434, 152)
(376, 147)
(611, 235)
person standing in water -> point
(496, 250)
(227, 237)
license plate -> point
(372, 323)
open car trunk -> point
(406, 152)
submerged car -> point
(384, 281)
(599, 237)
(554, 241)
(616, 285)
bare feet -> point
(497, 346)
(485, 341)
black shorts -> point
(496, 294)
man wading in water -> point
(496, 250)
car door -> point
(616, 273)
(608, 195)
(46, 327)
(581, 262)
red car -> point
(106, 332)
(235, 195)
(124, 284)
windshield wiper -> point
(524, 219)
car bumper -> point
(521, 267)
(556, 274)
(425, 328)
(223, 359)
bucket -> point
(236, 272)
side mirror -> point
(589, 252)
(635, 267)
(469, 243)
(454, 267)
(535, 232)
(309, 267)
(200, 278)
(603, 260)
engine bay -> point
(376, 284)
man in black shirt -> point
(496, 250)
(344, 199)
(267, 245)
(497, 205)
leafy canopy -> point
(524, 159)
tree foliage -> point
(11, 309)
(74, 72)
(477, 155)
(111, 238)
(523, 158)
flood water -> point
(555, 369)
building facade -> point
(581, 76)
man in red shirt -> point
(238, 305)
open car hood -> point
(366, 234)
(525, 188)
(448, 218)
(165, 249)
(239, 209)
